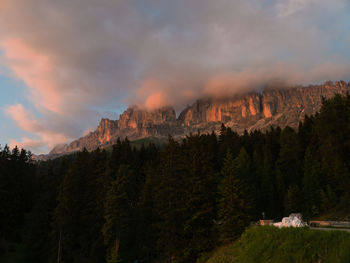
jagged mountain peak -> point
(253, 110)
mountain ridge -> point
(249, 111)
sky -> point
(66, 64)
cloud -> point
(29, 123)
(81, 57)
(278, 75)
(23, 118)
(48, 130)
(152, 94)
(289, 7)
(27, 143)
(155, 93)
(36, 70)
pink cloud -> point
(46, 137)
(23, 118)
(27, 143)
(156, 100)
(36, 70)
(153, 94)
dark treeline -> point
(176, 202)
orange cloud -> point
(36, 70)
(23, 118)
(27, 143)
(27, 122)
(156, 100)
(153, 94)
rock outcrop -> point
(134, 123)
(271, 107)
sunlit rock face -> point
(106, 129)
(138, 119)
(226, 110)
(272, 107)
(134, 123)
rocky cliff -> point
(276, 107)
(271, 107)
(134, 123)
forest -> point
(174, 202)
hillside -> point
(270, 244)
(250, 111)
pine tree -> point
(200, 194)
(293, 200)
(120, 216)
(17, 192)
(171, 201)
(148, 217)
(92, 211)
(311, 185)
(290, 158)
(68, 216)
(228, 139)
(234, 205)
(264, 187)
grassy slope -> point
(270, 244)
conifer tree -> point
(311, 187)
(171, 202)
(148, 217)
(293, 200)
(200, 194)
(234, 203)
(68, 215)
(120, 216)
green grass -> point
(287, 245)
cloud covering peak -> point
(81, 57)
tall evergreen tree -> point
(234, 205)
(121, 216)
(293, 200)
(200, 194)
(171, 202)
(311, 185)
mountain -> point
(250, 111)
